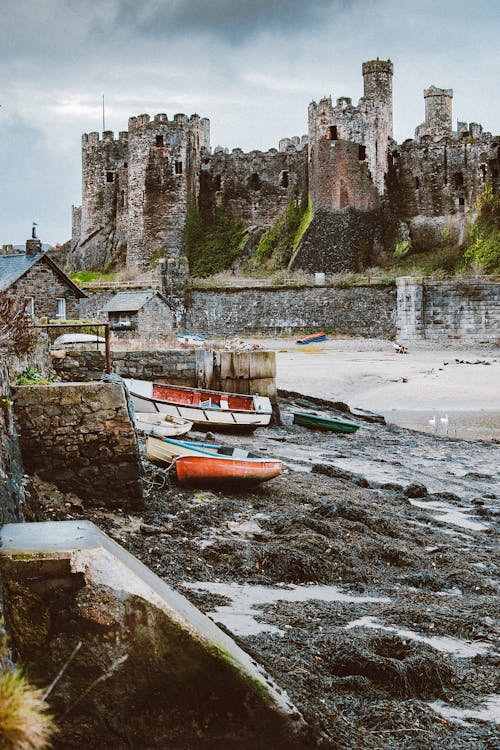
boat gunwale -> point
(200, 408)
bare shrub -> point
(17, 332)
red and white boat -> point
(214, 471)
(210, 408)
(210, 465)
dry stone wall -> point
(79, 437)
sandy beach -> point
(462, 384)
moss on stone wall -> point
(212, 244)
(484, 234)
(278, 244)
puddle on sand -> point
(488, 710)
(448, 514)
(445, 644)
(247, 600)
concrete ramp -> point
(152, 671)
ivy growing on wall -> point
(278, 244)
(484, 234)
(212, 244)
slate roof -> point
(130, 301)
(15, 265)
(12, 267)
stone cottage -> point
(32, 275)
(145, 313)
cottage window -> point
(110, 176)
(178, 167)
(159, 141)
(30, 307)
(61, 309)
(361, 153)
(284, 179)
(332, 133)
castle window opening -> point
(122, 198)
(362, 153)
(255, 181)
(110, 176)
(483, 172)
(417, 183)
(178, 167)
(284, 179)
(332, 133)
(461, 205)
(459, 179)
(159, 141)
(125, 165)
(218, 182)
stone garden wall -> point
(79, 436)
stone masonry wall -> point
(363, 311)
(170, 366)
(11, 469)
(448, 309)
(79, 437)
(45, 286)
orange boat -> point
(210, 471)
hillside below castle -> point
(355, 192)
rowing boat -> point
(314, 338)
(209, 464)
(161, 425)
(208, 408)
(317, 422)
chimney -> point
(33, 246)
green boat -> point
(323, 423)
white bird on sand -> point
(444, 422)
(432, 423)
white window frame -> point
(60, 308)
(30, 306)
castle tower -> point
(377, 105)
(377, 79)
(438, 104)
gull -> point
(444, 422)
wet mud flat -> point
(364, 578)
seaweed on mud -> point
(412, 672)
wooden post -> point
(107, 345)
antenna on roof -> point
(33, 231)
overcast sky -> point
(250, 66)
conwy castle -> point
(366, 191)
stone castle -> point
(366, 192)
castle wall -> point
(256, 187)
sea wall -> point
(79, 436)
(466, 309)
(360, 310)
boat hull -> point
(324, 423)
(164, 451)
(213, 471)
(147, 398)
(161, 425)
